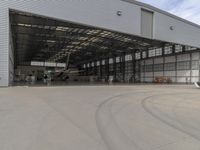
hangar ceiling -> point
(38, 38)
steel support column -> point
(100, 67)
(163, 55)
(95, 68)
(134, 67)
(87, 69)
(107, 68)
(190, 67)
(123, 66)
(115, 68)
(176, 78)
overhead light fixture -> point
(92, 32)
(85, 44)
(24, 25)
(83, 38)
(65, 50)
(78, 47)
(70, 46)
(50, 41)
(59, 28)
(75, 43)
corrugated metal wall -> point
(4, 46)
(182, 68)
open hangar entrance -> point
(50, 50)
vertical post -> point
(95, 68)
(173, 52)
(147, 54)
(141, 55)
(100, 65)
(90, 68)
(163, 55)
(87, 69)
(134, 66)
(163, 51)
(190, 67)
(144, 71)
(123, 66)
(176, 78)
(67, 61)
(173, 49)
(184, 48)
(107, 67)
(153, 70)
(115, 68)
(199, 67)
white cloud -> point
(187, 9)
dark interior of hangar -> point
(53, 50)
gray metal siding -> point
(4, 53)
(182, 68)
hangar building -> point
(96, 40)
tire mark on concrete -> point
(184, 124)
(152, 113)
(111, 133)
(113, 136)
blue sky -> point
(187, 9)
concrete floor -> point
(150, 117)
